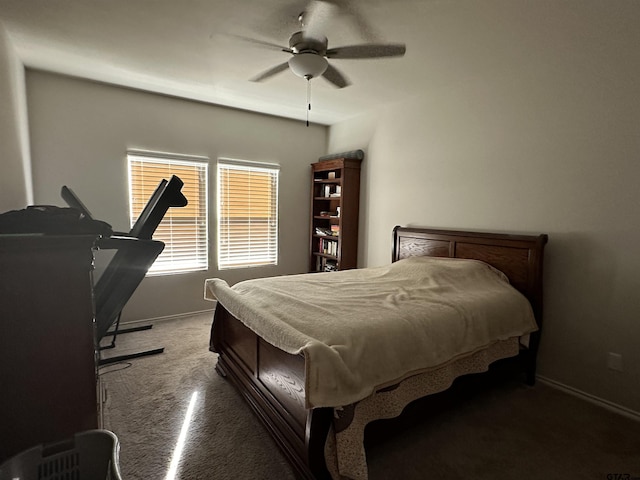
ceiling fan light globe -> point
(308, 65)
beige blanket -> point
(368, 328)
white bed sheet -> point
(363, 329)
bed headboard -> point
(519, 257)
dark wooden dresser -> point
(48, 374)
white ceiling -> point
(187, 48)
(184, 48)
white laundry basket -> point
(88, 455)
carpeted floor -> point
(494, 430)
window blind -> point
(247, 214)
(183, 230)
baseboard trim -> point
(167, 317)
(614, 407)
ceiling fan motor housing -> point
(300, 43)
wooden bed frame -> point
(272, 381)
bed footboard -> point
(272, 382)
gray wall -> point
(15, 182)
(80, 132)
(544, 138)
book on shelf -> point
(330, 266)
(328, 247)
(330, 191)
(324, 264)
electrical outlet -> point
(614, 361)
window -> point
(247, 214)
(183, 229)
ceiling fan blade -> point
(334, 76)
(272, 46)
(271, 72)
(370, 50)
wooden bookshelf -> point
(335, 199)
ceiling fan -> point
(310, 52)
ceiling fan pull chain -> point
(308, 99)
